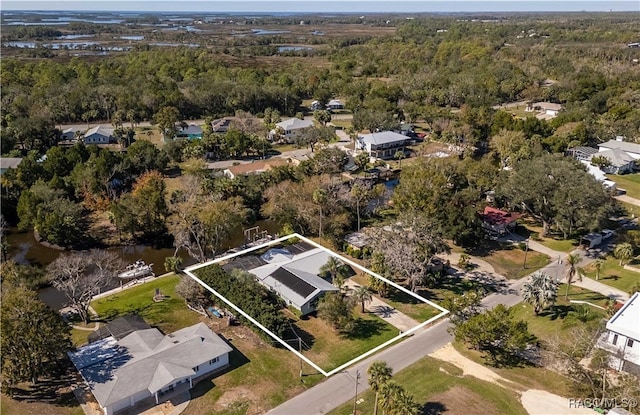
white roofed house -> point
(295, 277)
(632, 149)
(291, 129)
(149, 366)
(383, 144)
(618, 161)
(622, 337)
(98, 135)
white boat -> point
(137, 270)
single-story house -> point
(581, 152)
(622, 337)
(620, 161)
(221, 125)
(68, 134)
(149, 366)
(98, 135)
(546, 108)
(295, 277)
(257, 167)
(632, 149)
(315, 105)
(383, 144)
(496, 222)
(119, 328)
(7, 163)
(191, 131)
(292, 128)
(335, 104)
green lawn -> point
(631, 209)
(168, 315)
(614, 275)
(510, 260)
(330, 349)
(562, 316)
(344, 124)
(628, 182)
(438, 387)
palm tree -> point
(597, 265)
(337, 270)
(390, 395)
(572, 260)
(539, 291)
(624, 252)
(320, 198)
(406, 405)
(399, 155)
(379, 374)
(362, 295)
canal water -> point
(23, 248)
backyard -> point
(615, 275)
(532, 229)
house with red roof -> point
(496, 222)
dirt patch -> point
(449, 354)
(234, 398)
(538, 402)
(459, 401)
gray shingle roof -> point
(145, 360)
(294, 124)
(616, 156)
(382, 137)
(622, 145)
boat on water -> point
(138, 269)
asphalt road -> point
(340, 388)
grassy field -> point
(628, 182)
(439, 388)
(168, 315)
(509, 260)
(330, 349)
(66, 405)
(614, 275)
(562, 316)
(533, 230)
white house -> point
(291, 128)
(335, 104)
(295, 277)
(545, 110)
(622, 337)
(383, 144)
(632, 149)
(147, 365)
(619, 161)
(98, 135)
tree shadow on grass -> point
(364, 328)
(433, 408)
(54, 390)
(556, 312)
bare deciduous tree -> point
(81, 275)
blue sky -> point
(326, 6)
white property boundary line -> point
(189, 272)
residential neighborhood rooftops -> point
(496, 216)
(622, 145)
(626, 321)
(99, 130)
(382, 137)
(9, 162)
(258, 166)
(294, 124)
(145, 360)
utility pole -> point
(300, 351)
(355, 398)
(526, 248)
